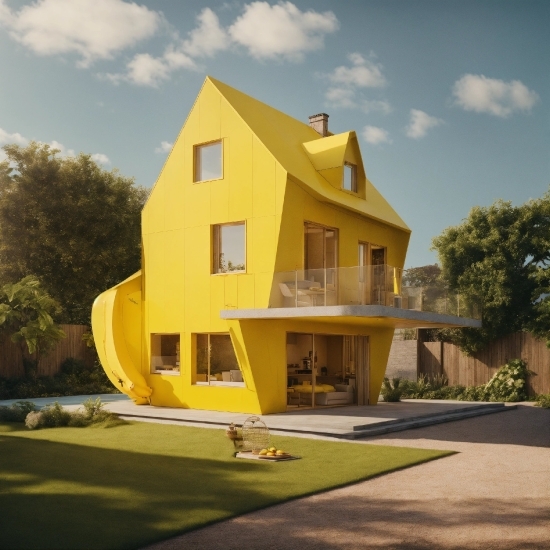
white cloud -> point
(380, 106)
(420, 122)
(375, 135)
(100, 158)
(146, 70)
(341, 97)
(165, 147)
(348, 81)
(208, 38)
(282, 30)
(94, 29)
(63, 151)
(362, 74)
(17, 138)
(490, 95)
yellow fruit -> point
(280, 452)
(272, 449)
(270, 453)
(263, 452)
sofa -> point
(343, 395)
(325, 394)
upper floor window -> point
(208, 161)
(229, 248)
(350, 177)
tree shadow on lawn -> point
(86, 488)
(58, 495)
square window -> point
(208, 161)
(216, 362)
(350, 177)
(165, 353)
(229, 248)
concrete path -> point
(493, 494)
(351, 422)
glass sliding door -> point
(321, 259)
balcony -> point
(378, 285)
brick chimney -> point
(319, 123)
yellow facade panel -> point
(264, 244)
(264, 183)
(245, 289)
(209, 109)
(240, 185)
(155, 208)
(217, 302)
(219, 201)
(196, 203)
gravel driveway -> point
(493, 494)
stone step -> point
(408, 424)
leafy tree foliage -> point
(70, 223)
(426, 275)
(500, 255)
(26, 315)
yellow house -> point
(271, 270)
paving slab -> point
(350, 422)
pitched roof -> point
(285, 137)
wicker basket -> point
(255, 435)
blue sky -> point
(449, 98)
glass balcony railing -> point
(365, 285)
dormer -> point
(338, 159)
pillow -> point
(328, 387)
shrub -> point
(391, 391)
(34, 420)
(509, 382)
(55, 416)
(72, 366)
(543, 400)
(74, 379)
(17, 412)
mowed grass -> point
(130, 485)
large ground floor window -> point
(165, 353)
(216, 363)
(327, 369)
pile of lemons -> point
(272, 451)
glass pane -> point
(331, 248)
(202, 357)
(208, 162)
(223, 362)
(314, 244)
(231, 248)
(165, 352)
(348, 177)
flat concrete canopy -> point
(379, 316)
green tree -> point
(70, 223)
(426, 275)
(26, 312)
(500, 256)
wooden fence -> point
(447, 359)
(11, 355)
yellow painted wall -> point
(181, 295)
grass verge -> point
(128, 486)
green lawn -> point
(130, 485)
